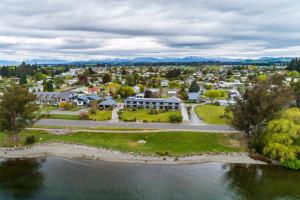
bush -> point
(291, 164)
(93, 111)
(175, 118)
(66, 105)
(83, 115)
(30, 140)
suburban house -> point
(136, 89)
(172, 93)
(86, 100)
(194, 96)
(108, 103)
(153, 103)
(54, 98)
(164, 83)
(154, 91)
(226, 102)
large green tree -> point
(17, 107)
(259, 105)
(194, 87)
(294, 65)
(215, 94)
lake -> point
(72, 179)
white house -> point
(164, 83)
(136, 89)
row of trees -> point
(264, 115)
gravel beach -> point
(85, 152)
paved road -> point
(194, 119)
(92, 124)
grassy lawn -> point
(45, 109)
(145, 116)
(211, 114)
(61, 116)
(161, 143)
(101, 115)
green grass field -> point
(61, 116)
(101, 115)
(145, 116)
(211, 114)
(161, 143)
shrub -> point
(175, 118)
(291, 164)
(30, 140)
(93, 111)
(83, 115)
(66, 105)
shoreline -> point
(66, 150)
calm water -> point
(57, 178)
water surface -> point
(58, 178)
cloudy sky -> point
(97, 29)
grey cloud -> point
(127, 28)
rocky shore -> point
(85, 152)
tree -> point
(259, 106)
(296, 87)
(173, 73)
(23, 80)
(174, 84)
(113, 89)
(126, 91)
(142, 88)
(48, 86)
(106, 78)
(280, 136)
(182, 93)
(294, 65)
(148, 94)
(17, 107)
(82, 79)
(215, 94)
(194, 87)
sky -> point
(101, 29)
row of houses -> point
(153, 103)
(54, 98)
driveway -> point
(168, 126)
(184, 113)
(115, 116)
(194, 119)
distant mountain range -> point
(152, 60)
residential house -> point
(136, 89)
(54, 98)
(108, 103)
(85, 100)
(172, 93)
(194, 96)
(153, 103)
(164, 83)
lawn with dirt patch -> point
(160, 143)
(145, 115)
(211, 114)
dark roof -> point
(168, 100)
